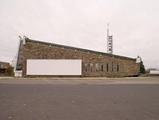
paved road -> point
(79, 102)
(77, 81)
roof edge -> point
(81, 49)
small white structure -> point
(54, 67)
(18, 73)
(138, 59)
(154, 72)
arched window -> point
(112, 66)
(91, 67)
(102, 68)
(97, 66)
(107, 67)
(117, 67)
(85, 67)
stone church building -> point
(36, 58)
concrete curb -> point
(76, 81)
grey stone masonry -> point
(94, 63)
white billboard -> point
(53, 67)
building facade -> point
(4, 69)
(93, 63)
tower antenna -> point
(107, 29)
(109, 41)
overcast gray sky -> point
(82, 23)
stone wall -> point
(93, 63)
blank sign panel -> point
(54, 67)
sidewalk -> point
(89, 80)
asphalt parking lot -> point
(79, 99)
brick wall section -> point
(118, 66)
